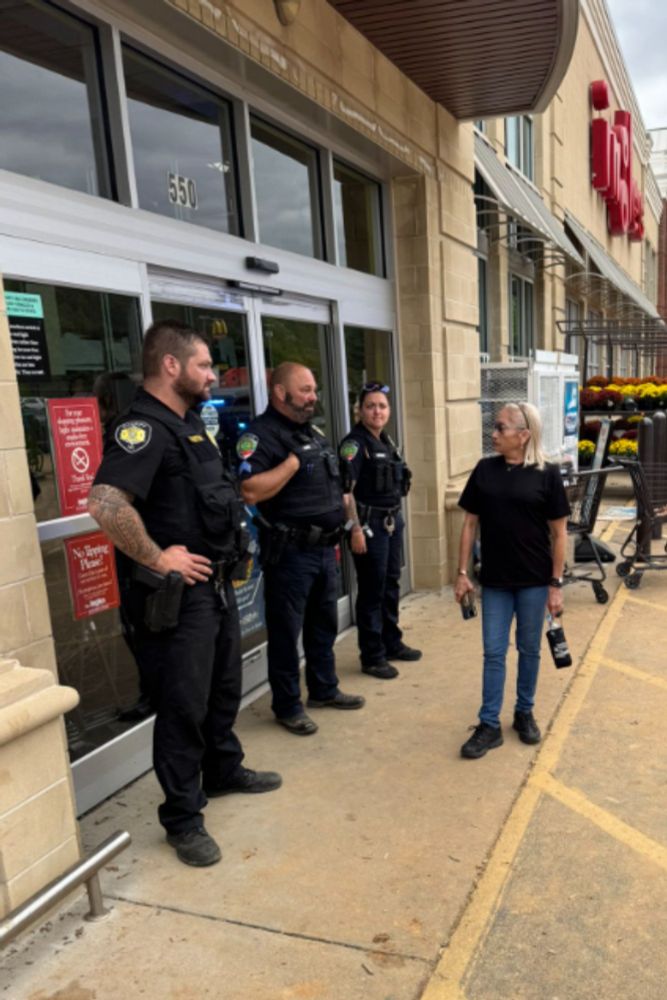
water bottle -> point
(558, 644)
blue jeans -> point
(499, 606)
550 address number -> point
(182, 190)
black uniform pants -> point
(300, 593)
(192, 675)
(378, 583)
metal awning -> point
(610, 270)
(478, 58)
(520, 200)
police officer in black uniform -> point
(291, 472)
(378, 478)
(163, 496)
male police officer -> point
(165, 500)
(291, 472)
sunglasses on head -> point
(375, 387)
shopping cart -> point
(649, 482)
(584, 492)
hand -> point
(358, 541)
(177, 559)
(555, 601)
(462, 587)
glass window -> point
(368, 356)
(182, 146)
(69, 342)
(286, 191)
(519, 144)
(50, 113)
(358, 221)
(521, 317)
(72, 342)
(483, 306)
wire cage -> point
(649, 483)
(584, 492)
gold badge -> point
(133, 435)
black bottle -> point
(558, 644)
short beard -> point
(183, 387)
(302, 414)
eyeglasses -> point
(501, 428)
(374, 387)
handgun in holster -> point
(273, 538)
(163, 605)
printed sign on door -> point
(77, 450)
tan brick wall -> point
(38, 830)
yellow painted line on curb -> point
(648, 604)
(634, 672)
(576, 801)
(446, 983)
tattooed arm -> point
(357, 537)
(112, 509)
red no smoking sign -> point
(77, 450)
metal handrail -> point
(83, 871)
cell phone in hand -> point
(468, 606)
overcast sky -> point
(641, 26)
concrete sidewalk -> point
(384, 846)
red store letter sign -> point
(611, 168)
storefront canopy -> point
(478, 58)
(521, 200)
(609, 269)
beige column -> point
(37, 814)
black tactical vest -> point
(384, 477)
(314, 493)
(205, 505)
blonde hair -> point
(530, 416)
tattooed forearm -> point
(350, 507)
(112, 509)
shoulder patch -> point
(133, 435)
(349, 450)
(246, 446)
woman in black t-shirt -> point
(519, 503)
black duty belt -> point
(365, 511)
(311, 536)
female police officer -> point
(374, 472)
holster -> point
(163, 605)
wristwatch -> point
(556, 581)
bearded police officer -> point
(163, 496)
(374, 472)
(291, 472)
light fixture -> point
(287, 10)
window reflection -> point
(358, 226)
(50, 117)
(182, 146)
(285, 175)
(368, 358)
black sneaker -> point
(195, 847)
(383, 670)
(404, 652)
(338, 700)
(484, 738)
(245, 780)
(526, 727)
